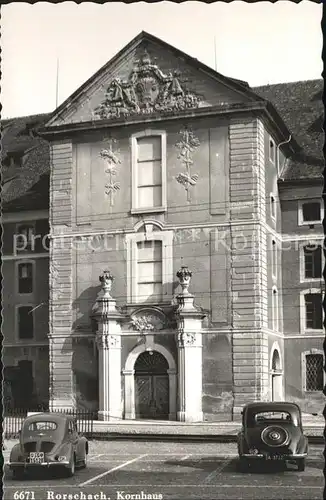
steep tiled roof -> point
(301, 107)
(22, 189)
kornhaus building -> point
(182, 272)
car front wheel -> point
(301, 463)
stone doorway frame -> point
(276, 375)
(129, 380)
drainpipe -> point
(278, 152)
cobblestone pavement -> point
(130, 470)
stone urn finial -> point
(184, 276)
(106, 280)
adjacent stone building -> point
(182, 275)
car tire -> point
(18, 473)
(301, 464)
(71, 468)
(84, 462)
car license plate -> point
(275, 457)
(36, 457)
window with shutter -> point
(312, 261)
(314, 372)
(314, 311)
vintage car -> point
(271, 431)
(49, 440)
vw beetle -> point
(49, 440)
(271, 432)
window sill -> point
(308, 280)
(310, 223)
(150, 210)
(312, 330)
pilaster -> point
(60, 278)
(60, 324)
(248, 262)
(61, 393)
(108, 340)
(190, 363)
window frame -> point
(302, 310)
(134, 171)
(28, 249)
(274, 255)
(18, 339)
(303, 278)
(152, 282)
(272, 203)
(19, 263)
(302, 222)
(272, 158)
(275, 310)
(304, 355)
(157, 232)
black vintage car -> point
(49, 440)
(271, 432)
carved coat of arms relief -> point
(147, 90)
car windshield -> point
(42, 426)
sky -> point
(261, 43)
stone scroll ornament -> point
(147, 90)
(110, 156)
(187, 146)
(186, 339)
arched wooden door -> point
(151, 386)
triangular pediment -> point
(149, 77)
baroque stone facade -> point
(171, 293)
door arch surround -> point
(276, 373)
(129, 380)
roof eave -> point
(258, 107)
(283, 182)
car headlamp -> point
(61, 458)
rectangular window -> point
(271, 150)
(275, 309)
(24, 238)
(274, 258)
(273, 207)
(312, 261)
(25, 277)
(149, 271)
(311, 212)
(314, 372)
(149, 172)
(25, 322)
(314, 311)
